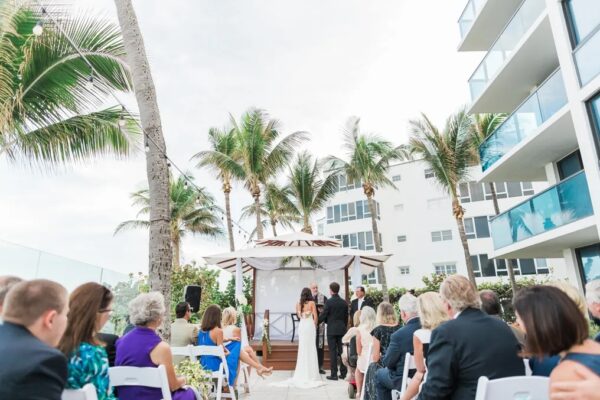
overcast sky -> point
(310, 64)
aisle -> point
(261, 389)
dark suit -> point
(401, 342)
(109, 340)
(463, 349)
(335, 314)
(29, 369)
(354, 306)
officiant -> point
(319, 299)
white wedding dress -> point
(306, 375)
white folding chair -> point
(88, 392)
(527, 367)
(369, 358)
(244, 381)
(409, 364)
(513, 388)
(184, 351)
(141, 376)
(396, 395)
(222, 375)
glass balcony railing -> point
(468, 16)
(586, 58)
(559, 205)
(533, 112)
(521, 21)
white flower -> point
(241, 299)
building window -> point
(396, 178)
(473, 191)
(583, 17)
(358, 240)
(589, 262)
(477, 227)
(343, 184)
(484, 267)
(439, 236)
(445, 269)
(570, 165)
(350, 211)
(404, 270)
(429, 173)
(527, 188)
(436, 203)
(401, 238)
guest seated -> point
(6, 282)
(554, 325)
(401, 342)
(211, 334)
(35, 318)
(363, 341)
(387, 324)
(346, 342)
(431, 314)
(232, 333)
(142, 347)
(89, 310)
(182, 332)
(490, 304)
(470, 345)
(592, 296)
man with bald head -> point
(6, 282)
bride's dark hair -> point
(305, 296)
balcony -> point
(542, 226)
(538, 132)
(482, 21)
(586, 58)
(522, 56)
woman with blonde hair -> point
(346, 342)
(363, 341)
(232, 333)
(432, 314)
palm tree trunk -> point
(509, 268)
(273, 223)
(176, 248)
(307, 228)
(380, 268)
(458, 215)
(259, 227)
(160, 252)
(227, 191)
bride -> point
(306, 375)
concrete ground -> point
(263, 390)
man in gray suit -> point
(182, 332)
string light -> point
(122, 122)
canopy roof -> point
(297, 250)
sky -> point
(310, 64)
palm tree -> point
(482, 126)
(192, 211)
(277, 208)
(260, 155)
(157, 170)
(449, 154)
(49, 112)
(220, 159)
(309, 192)
(369, 158)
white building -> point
(417, 226)
(542, 66)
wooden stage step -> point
(283, 355)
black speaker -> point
(191, 294)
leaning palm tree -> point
(220, 159)
(157, 169)
(260, 153)
(192, 211)
(51, 98)
(276, 207)
(482, 126)
(369, 158)
(449, 154)
(309, 191)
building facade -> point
(416, 225)
(542, 68)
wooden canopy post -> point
(346, 285)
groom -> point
(335, 314)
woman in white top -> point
(432, 314)
(232, 333)
(363, 341)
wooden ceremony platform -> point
(283, 355)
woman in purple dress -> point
(142, 347)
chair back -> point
(184, 351)
(513, 388)
(88, 392)
(141, 376)
(409, 364)
(215, 351)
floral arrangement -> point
(242, 305)
(265, 335)
(196, 376)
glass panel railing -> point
(506, 43)
(525, 120)
(587, 60)
(468, 16)
(559, 205)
